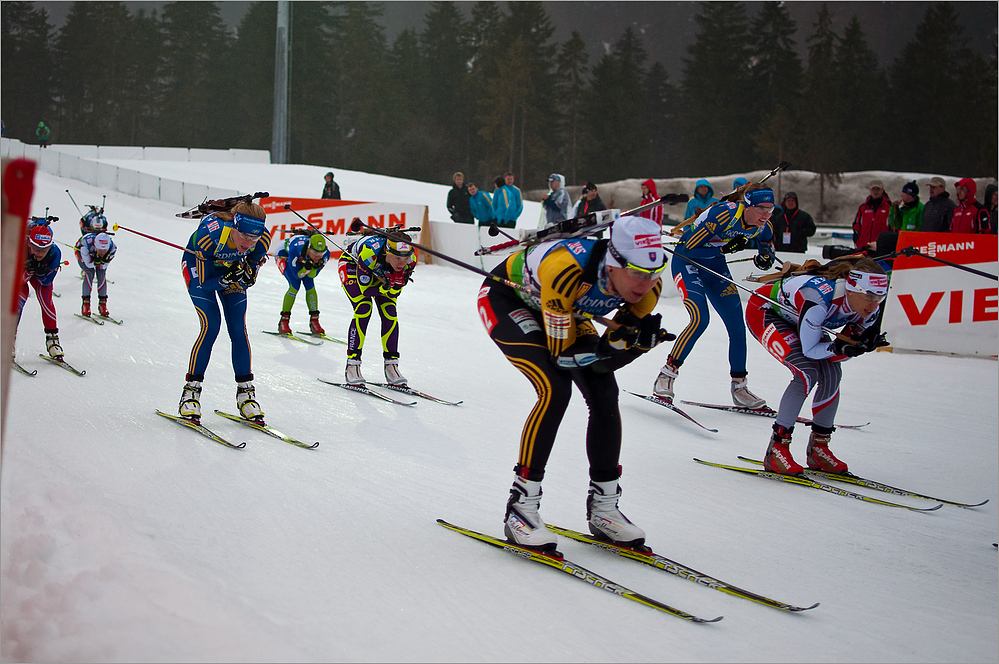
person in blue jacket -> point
(722, 228)
(40, 267)
(301, 260)
(704, 196)
(482, 205)
(220, 263)
(507, 202)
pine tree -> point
(718, 100)
(572, 77)
(863, 93)
(662, 99)
(27, 63)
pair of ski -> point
(662, 563)
(362, 388)
(61, 363)
(762, 412)
(196, 425)
(806, 479)
(99, 319)
(295, 337)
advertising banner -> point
(333, 217)
(936, 307)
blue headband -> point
(250, 225)
(755, 197)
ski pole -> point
(169, 244)
(74, 203)
(782, 166)
(288, 207)
(912, 251)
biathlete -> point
(724, 227)
(94, 252)
(846, 293)
(300, 260)
(221, 261)
(40, 267)
(376, 269)
(548, 337)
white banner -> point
(936, 307)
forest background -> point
(485, 87)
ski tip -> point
(707, 620)
(798, 609)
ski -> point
(90, 318)
(677, 569)
(63, 364)
(109, 319)
(669, 404)
(806, 482)
(321, 336)
(203, 430)
(269, 430)
(559, 563)
(406, 389)
(288, 335)
(363, 389)
(871, 484)
(23, 370)
(766, 411)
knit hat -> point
(911, 188)
(102, 242)
(756, 197)
(317, 243)
(636, 242)
(788, 195)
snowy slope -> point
(128, 538)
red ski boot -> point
(778, 458)
(102, 306)
(819, 456)
(86, 307)
(284, 326)
(314, 325)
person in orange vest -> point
(872, 217)
(969, 216)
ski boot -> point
(741, 396)
(85, 310)
(778, 458)
(314, 325)
(392, 374)
(284, 325)
(522, 524)
(247, 403)
(52, 345)
(352, 373)
(818, 454)
(190, 401)
(102, 306)
(664, 383)
(606, 521)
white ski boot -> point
(664, 383)
(741, 396)
(352, 374)
(523, 524)
(392, 374)
(606, 521)
(247, 403)
(52, 345)
(190, 400)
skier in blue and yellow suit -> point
(221, 261)
(547, 336)
(725, 227)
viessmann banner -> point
(333, 217)
(937, 307)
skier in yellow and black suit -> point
(548, 337)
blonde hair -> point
(837, 268)
(242, 207)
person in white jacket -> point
(555, 203)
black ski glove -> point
(869, 341)
(738, 243)
(763, 261)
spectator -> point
(908, 214)
(650, 195)
(792, 227)
(704, 196)
(42, 134)
(331, 189)
(481, 204)
(457, 201)
(969, 216)
(507, 202)
(991, 196)
(556, 201)
(589, 201)
(938, 209)
(872, 217)
(738, 182)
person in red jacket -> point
(649, 195)
(969, 216)
(872, 218)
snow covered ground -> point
(128, 538)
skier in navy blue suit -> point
(221, 261)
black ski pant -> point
(519, 333)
